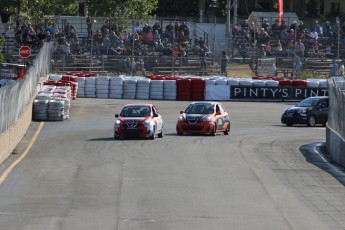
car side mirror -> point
(218, 113)
(181, 112)
(116, 115)
(155, 115)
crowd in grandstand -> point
(291, 39)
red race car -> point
(138, 120)
(203, 118)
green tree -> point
(2, 42)
(334, 11)
(123, 13)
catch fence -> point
(14, 98)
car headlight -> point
(147, 121)
(302, 110)
(118, 123)
(207, 118)
(181, 118)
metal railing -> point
(336, 116)
(15, 98)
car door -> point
(158, 119)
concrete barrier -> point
(335, 145)
(11, 137)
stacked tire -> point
(169, 89)
(56, 110)
(90, 87)
(40, 110)
(116, 87)
(156, 90)
(183, 89)
(143, 89)
(81, 87)
(197, 89)
(129, 88)
(102, 87)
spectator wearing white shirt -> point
(313, 34)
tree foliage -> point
(312, 8)
(123, 13)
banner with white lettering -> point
(275, 93)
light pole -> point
(337, 19)
(254, 43)
(213, 9)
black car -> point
(310, 111)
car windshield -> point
(200, 108)
(136, 111)
(309, 102)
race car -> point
(138, 121)
(203, 118)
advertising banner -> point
(275, 93)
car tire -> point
(116, 137)
(161, 134)
(323, 124)
(227, 130)
(152, 137)
(213, 133)
(311, 121)
(179, 133)
(289, 124)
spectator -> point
(223, 63)
(313, 34)
(290, 48)
(334, 68)
(169, 31)
(291, 35)
(265, 25)
(138, 28)
(284, 35)
(89, 24)
(69, 29)
(235, 30)
(157, 27)
(184, 28)
(328, 32)
(278, 51)
(301, 27)
(300, 48)
(41, 36)
(245, 25)
(149, 38)
(317, 28)
(268, 49)
(146, 28)
(276, 30)
(283, 25)
(29, 34)
(293, 26)
(156, 36)
(5, 19)
(203, 56)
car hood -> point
(297, 108)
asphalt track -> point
(72, 175)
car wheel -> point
(213, 133)
(116, 137)
(289, 124)
(311, 122)
(227, 131)
(179, 133)
(161, 134)
(324, 124)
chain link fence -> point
(14, 98)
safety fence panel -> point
(15, 97)
(336, 116)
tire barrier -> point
(53, 102)
(187, 88)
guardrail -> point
(14, 98)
